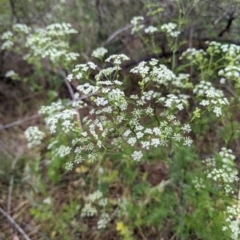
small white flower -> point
(136, 20)
(149, 111)
(186, 128)
(204, 103)
(47, 200)
(10, 74)
(188, 141)
(139, 135)
(131, 141)
(150, 29)
(177, 137)
(101, 101)
(155, 142)
(69, 166)
(7, 35)
(137, 155)
(103, 221)
(148, 130)
(217, 111)
(127, 133)
(34, 136)
(117, 59)
(222, 80)
(156, 131)
(99, 52)
(88, 210)
(145, 145)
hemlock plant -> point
(164, 114)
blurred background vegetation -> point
(25, 181)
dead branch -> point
(14, 224)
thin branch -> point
(70, 89)
(228, 26)
(15, 225)
(114, 34)
(18, 122)
(225, 13)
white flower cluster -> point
(170, 29)
(60, 29)
(230, 51)
(34, 136)
(51, 109)
(106, 73)
(11, 74)
(193, 54)
(137, 155)
(172, 101)
(109, 124)
(230, 54)
(150, 29)
(8, 40)
(66, 117)
(10, 37)
(198, 183)
(231, 57)
(81, 71)
(69, 166)
(153, 71)
(57, 114)
(62, 151)
(137, 24)
(45, 44)
(47, 201)
(87, 88)
(232, 221)
(42, 42)
(182, 81)
(95, 196)
(230, 72)
(99, 52)
(156, 136)
(103, 221)
(94, 201)
(117, 59)
(7, 35)
(222, 170)
(85, 67)
(88, 210)
(212, 97)
(22, 28)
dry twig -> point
(14, 224)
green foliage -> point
(151, 163)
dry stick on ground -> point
(15, 225)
